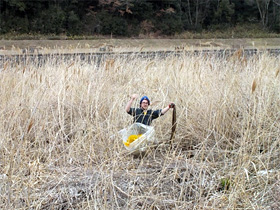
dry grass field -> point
(60, 148)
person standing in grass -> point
(143, 114)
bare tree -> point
(277, 2)
(196, 11)
(189, 13)
(263, 6)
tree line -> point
(134, 17)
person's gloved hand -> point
(171, 105)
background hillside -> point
(138, 18)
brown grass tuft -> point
(277, 72)
(254, 85)
(30, 125)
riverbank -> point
(12, 47)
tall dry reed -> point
(60, 149)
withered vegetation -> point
(60, 148)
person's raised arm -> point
(164, 110)
(129, 103)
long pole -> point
(174, 122)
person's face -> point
(144, 104)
